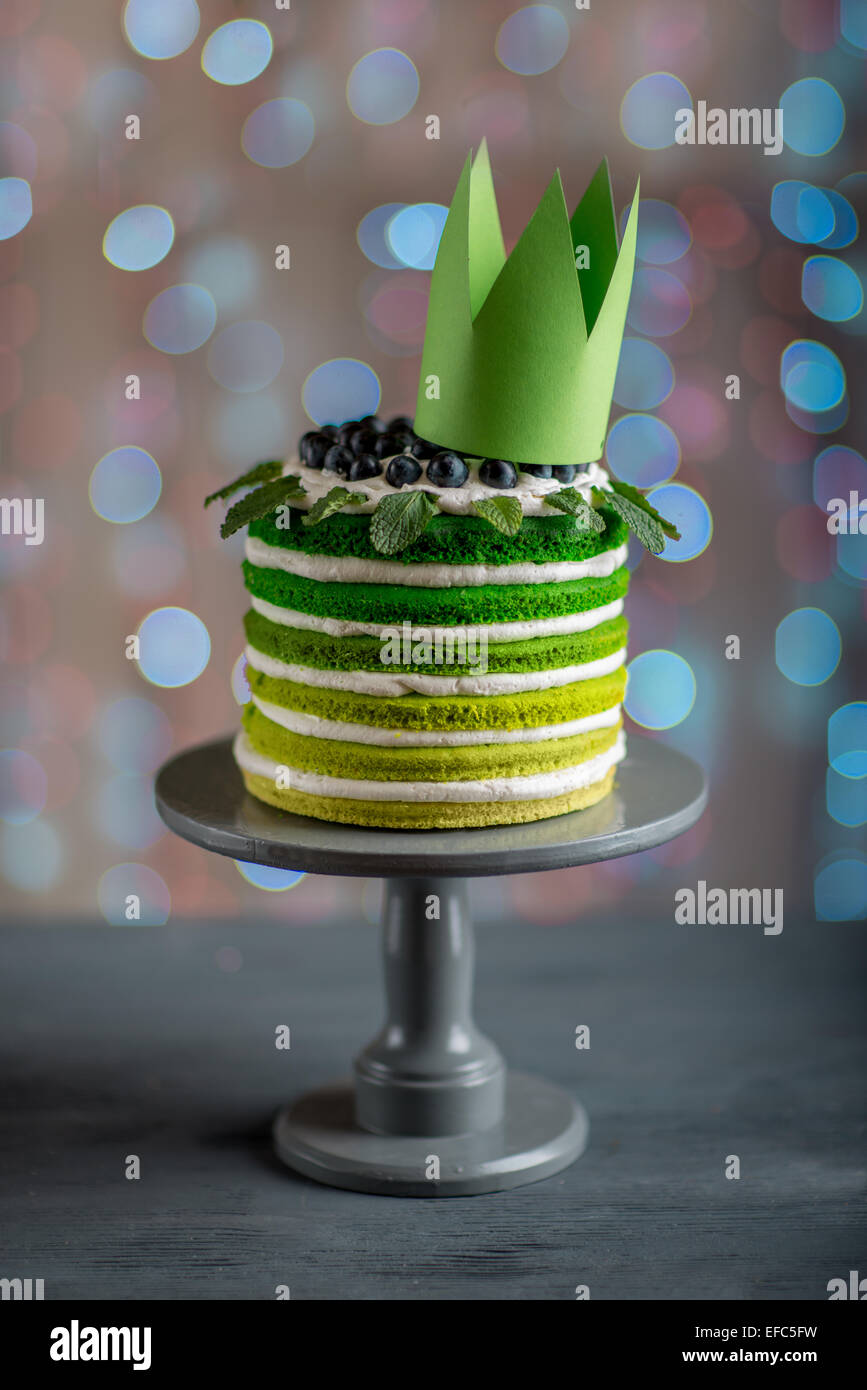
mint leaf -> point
(399, 519)
(569, 500)
(333, 500)
(502, 512)
(259, 503)
(262, 473)
(638, 499)
(648, 531)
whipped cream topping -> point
(532, 787)
(530, 491)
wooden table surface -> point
(705, 1042)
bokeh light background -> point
(299, 136)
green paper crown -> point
(520, 353)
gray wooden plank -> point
(704, 1042)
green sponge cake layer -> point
(299, 647)
(527, 709)
(392, 605)
(451, 540)
(336, 759)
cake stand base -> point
(431, 1109)
(543, 1130)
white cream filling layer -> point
(346, 569)
(390, 684)
(533, 787)
(458, 501)
(518, 631)
(312, 726)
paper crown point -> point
(520, 352)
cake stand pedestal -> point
(431, 1110)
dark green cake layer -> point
(336, 758)
(527, 709)
(391, 605)
(450, 540)
(300, 647)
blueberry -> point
(402, 470)
(346, 431)
(363, 441)
(389, 443)
(365, 466)
(313, 448)
(339, 459)
(385, 446)
(330, 430)
(582, 467)
(498, 473)
(565, 473)
(447, 469)
(423, 449)
(537, 470)
(372, 422)
(399, 424)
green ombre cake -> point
(436, 635)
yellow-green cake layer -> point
(479, 762)
(426, 815)
(527, 709)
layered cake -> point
(436, 636)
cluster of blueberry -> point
(355, 451)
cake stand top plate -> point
(659, 794)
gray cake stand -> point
(431, 1110)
